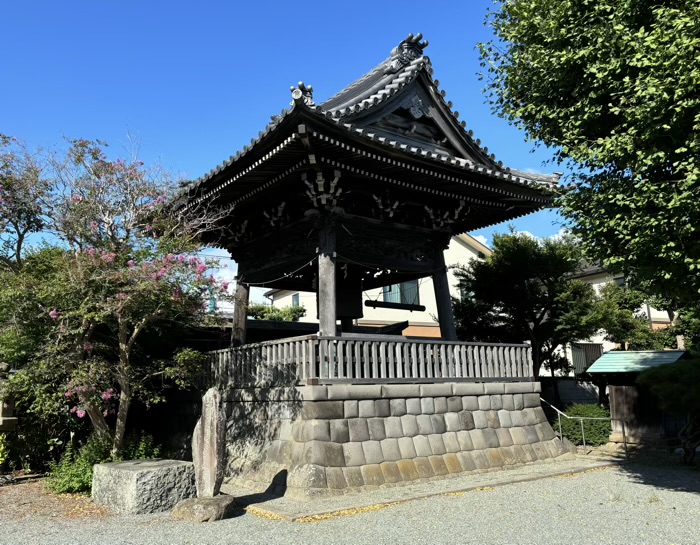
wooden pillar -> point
(326, 281)
(442, 298)
(240, 314)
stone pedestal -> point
(327, 439)
(138, 487)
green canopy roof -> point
(633, 361)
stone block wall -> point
(333, 439)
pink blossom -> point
(108, 257)
(76, 199)
(93, 226)
(130, 263)
(69, 394)
(53, 314)
(91, 251)
(194, 260)
(107, 394)
(225, 285)
(80, 413)
(87, 347)
(181, 258)
(170, 257)
(121, 296)
(105, 413)
(148, 228)
(201, 268)
(73, 409)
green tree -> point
(626, 324)
(22, 187)
(612, 87)
(260, 311)
(525, 292)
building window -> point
(295, 300)
(405, 293)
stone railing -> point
(367, 359)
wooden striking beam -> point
(396, 306)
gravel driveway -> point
(637, 503)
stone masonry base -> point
(338, 438)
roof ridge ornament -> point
(408, 50)
(301, 94)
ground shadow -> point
(661, 468)
(276, 490)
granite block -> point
(437, 445)
(440, 404)
(354, 454)
(358, 429)
(438, 423)
(407, 447)
(409, 424)
(392, 426)
(376, 429)
(373, 452)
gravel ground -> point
(638, 503)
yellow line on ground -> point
(262, 513)
(348, 512)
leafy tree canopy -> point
(612, 86)
(524, 292)
(261, 311)
(625, 323)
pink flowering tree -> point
(127, 272)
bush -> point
(597, 431)
(140, 447)
(73, 474)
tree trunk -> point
(536, 359)
(122, 412)
(555, 389)
(99, 424)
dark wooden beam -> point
(240, 311)
(443, 299)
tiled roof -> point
(406, 63)
(634, 361)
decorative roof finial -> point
(408, 50)
(303, 94)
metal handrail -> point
(582, 418)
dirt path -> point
(31, 499)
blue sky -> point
(195, 81)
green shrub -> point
(73, 474)
(597, 431)
(140, 447)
